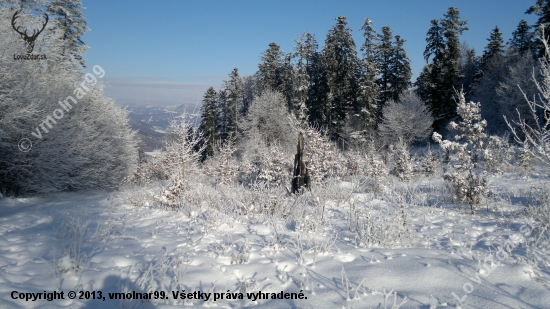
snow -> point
(98, 241)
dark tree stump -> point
(301, 175)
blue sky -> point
(169, 52)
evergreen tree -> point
(276, 73)
(469, 68)
(436, 42)
(270, 69)
(429, 80)
(250, 90)
(522, 38)
(426, 87)
(400, 69)
(542, 9)
(318, 90)
(68, 17)
(368, 92)
(492, 54)
(438, 79)
(224, 115)
(288, 81)
(304, 51)
(495, 48)
(209, 121)
(453, 27)
(394, 66)
(233, 96)
(384, 55)
(340, 64)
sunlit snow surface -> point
(90, 241)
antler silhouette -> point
(29, 40)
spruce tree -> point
(470, 65)
(542, 9)
(493, 53)
(250, 91)
(384, 54)
(270, 68)
(495, 48)
(318, 90)
(453, 27)
(400, 68)
(288, 80)
(394, 67)
(438, 80)
(233, 96)
(209, 120)
(368, 91)
(522, 39)
(436, 42)
(429, 81)
(340, 64)
(224, 115)
(304, 51)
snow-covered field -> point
(341, 246)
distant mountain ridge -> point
(152, 122)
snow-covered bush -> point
(466, 175)
(382, 227)
(525, 158)
(223, 165)
(538, 244)
(428, 162)
(323, 158)
(275, 168)
(407, 121)
(496, 154)
(375, 166)
(150, 168)
(181, 158)
(403, 166)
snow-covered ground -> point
(96, 241)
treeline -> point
(343, 88)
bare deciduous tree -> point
(535, 137)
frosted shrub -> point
(323, 158)
(181, 157)
(248, 169)
(264, 166)
(355, 163)
(429, 162)
(149, 169)
(375, 170)
(383, 227)
(403, 165)
(375, 167)
(497, 154)
(538, 245)
(525, 158)
(275, 167)
(223, 165)
(468, 179)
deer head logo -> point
(29, 40)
